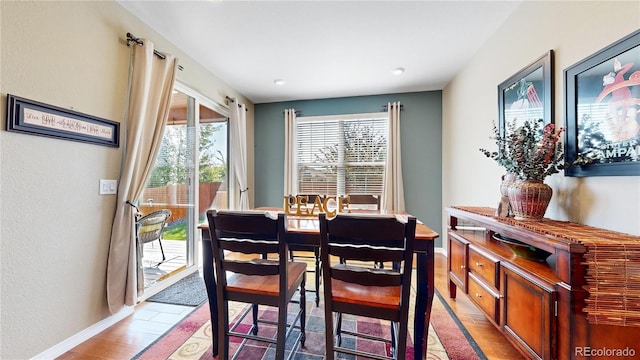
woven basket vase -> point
(529, 199)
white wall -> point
(55, 228)
(573, 30)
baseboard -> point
(84, 335)
(441, 251)
(98, 327)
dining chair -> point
(150, 227)
(241, 242)
(302, 251)
(364, 201)
(357, 287)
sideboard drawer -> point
(486, 299)
(484, 266)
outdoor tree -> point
(364, 156)
(172, 163)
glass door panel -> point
(189, 177)
(212, 162)
(171, 186)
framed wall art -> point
(602, 105)
(35, 118)
(527, 94)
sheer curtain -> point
(290, 176)
(238, 129)
(151, 82)
(393, 191)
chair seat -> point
(266, 284)
(378, 296)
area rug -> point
(191, 339)
(189, 291)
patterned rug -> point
(191, 339)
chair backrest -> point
(368, 238)
(364, 199)
(247, 232)
(150, 226)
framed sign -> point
(602, 105)
(35, 118)
(527, 94)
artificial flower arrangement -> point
(530, 151)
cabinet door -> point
(528, 315)
(458, 254)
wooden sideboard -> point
(538, 305)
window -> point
(341, 154)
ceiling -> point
(326, 49)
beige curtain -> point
(238, 131)
(290, 176)
(393, 191)
(151, 82)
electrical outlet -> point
(108, 187)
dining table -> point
(305, 231)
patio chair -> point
(149, 228)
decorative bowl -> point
(523, 250)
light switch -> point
(108, 187)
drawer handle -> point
(478, 295)
(462, 266)
(478, 264)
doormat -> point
(189, 291)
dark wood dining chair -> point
(303, 251)
(364, 201)
(241, 242)
(357, 287)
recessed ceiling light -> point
(279, 82)
(397, 71)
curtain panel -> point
(393, 191)
(290, 170)
(151, 81)
(238, 129)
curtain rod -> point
(298, 112)
(137, 41)
(385, 106)
(232, 100)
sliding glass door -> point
(189, 177)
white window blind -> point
(342, 154)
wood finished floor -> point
(150, 320)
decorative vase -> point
(504, 209)
(507, 180)
(529, 199)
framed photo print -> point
(36, 118)
(527, 94)
(602, 105)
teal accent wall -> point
(421, 134)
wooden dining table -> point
(305, 230)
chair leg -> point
(394, 340)
(328, 326)
(401, 349)
(282, 330)
(162, 251)
(223, 334)
(318, 275)
(303, 308)
(339, 329)
(254, 329)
